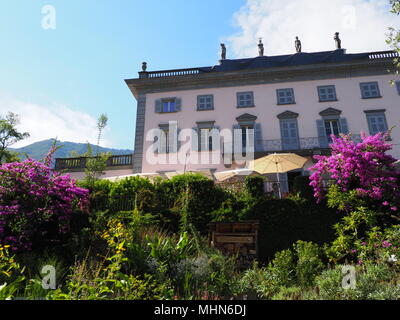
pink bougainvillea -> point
(363, 166)
(36, 205)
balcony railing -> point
(80, 162)
(383, 55)
(296, 144)
(192, 71)
(169, 73)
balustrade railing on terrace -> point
(80, 162)
(190, 71)
(383, 55)
(170, 73)
(293, 144)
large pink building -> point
(289, 103)
(292, 102)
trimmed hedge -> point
(301, 184)
(194, 199)
(184, 199)
(283, 222)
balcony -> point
(79, 164)
(305, 146)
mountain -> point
(39, 150)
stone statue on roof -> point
(297, 44)
(337, 41)
(260, 48)
(223, 51)
(144, 66)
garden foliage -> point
(37, 206)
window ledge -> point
(284, 104)
(334, 100)
(168, 112)
(241, 107)
(377, 97)
(204, 109)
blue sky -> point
(96, 45)
(60, 80)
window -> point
(289, 134)
(205, 139)
(331, 127)
(163, 145)
(327, 93)
(285, 96)
(206, 135)
(245, 99)
(376, 122)
(398, 87)
(370, 90)
(247, 135)
(166, 105)
(205, 102)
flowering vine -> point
(363, 166)
(36, 205)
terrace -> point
(79, 163)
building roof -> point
(297, 59)
(266, 69)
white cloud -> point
(362, 25)
(56, 121)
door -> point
(289, 134)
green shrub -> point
(309, 263)
(285, 221)
(301, 185)
(255, 186)
(372, 280)
(99, 192)
(329, 284)
(291, 293)
(258, 282)
(283, 267)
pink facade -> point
(266, 110)
(289, 103)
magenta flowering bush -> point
(36, 205)
(378, 247)
(364, 166)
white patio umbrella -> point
(206, 172)
(146, 175)
(225, 175)
(278, 163)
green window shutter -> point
(323, 140)
(258, 143)
(178, 104)
(343, 126)
(173, 138)
(203, 136)
(156, 143)
(214, 147)
(195, 139)
(158, 106)
(234, 138)
(179, 143)
(163, 141)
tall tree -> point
(9, 135)
(394, 35)
(95, 165)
